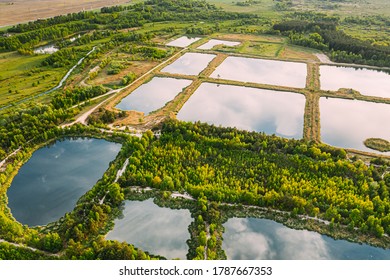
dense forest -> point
(230, 166)
(320, 31)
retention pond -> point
(272, 112)
(261, 239)
(56, 176)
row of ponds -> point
(344, 123)
(56, 176)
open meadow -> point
(18, 11)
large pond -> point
(272, 112)
(56, 176)
(214, 42)
(153, 95)
(183, 41)
(189, 64)
(260, 239)
(347, 123)
(366, 81)
(272, 72)
(160, 231)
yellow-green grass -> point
(378, 144)
(265, 8)
(23, 76)
(261, 49)
(293, 52)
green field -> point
(23, 76)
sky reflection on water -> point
(261, 239)
(347, 123)
(268, 111)
(153, 95)
(366, 81)
(272, 72)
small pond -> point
(183, 41)
(272, 112)
(153, 95)
(214, 42)
(347, 123)
(189, 64)
(160, 231)
(48, 49)
(261, 239)
(272, 72)
(56, 176)
(366, 81)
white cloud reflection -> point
(247, 108)
(255, 239)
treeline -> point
(230, 166)
(368, 20)
(206, 231)
(64, 57)
(169, 10)
(42, 23)
(28, 40)
(324, 35)
(75, 96)
(35, 124)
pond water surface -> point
(153, 95)
(272, 72)
(183, 41)
(272, 112)
(160, 231)
(189, 64)
(366, 81)
(261, 239)
(347, 123)
(56, 176)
